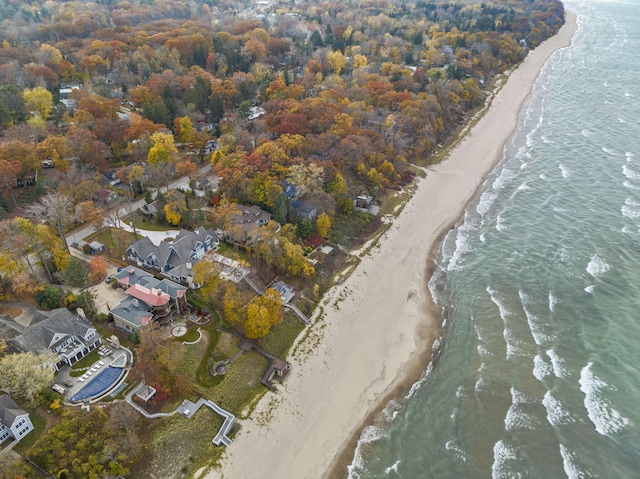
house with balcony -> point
(14, 421)
(69, 336)
(174, 259)
(148, 300)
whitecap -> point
(558, 364)
(629, 155)
(589, 289)
(369, 434)
(503, 457)
(481, 384)
(524, 186)
(600, 410)
(622, 120)
(460, 392)
(553, 302)
(504, 312)
(500, 224)
(630, 209)
(629, 173)
(486, 200)
(608, 151)
(462, 247)
(545, 140)
(597, 266)
(533, 321)
(628, 184)
(556, 414)
(565, 171)
(543, 176)
(393, 468)
(415, 386)
(541, 368)
(570, 466)
(505, 176)
(457, 452)
(516, 418)
(586, 133)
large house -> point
(174, 259)
(242, 223)
(69, 336)
(148, 299)
(14, 421)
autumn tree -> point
(54, 209)
(323, 224)
(9, 171)
(38, 101)
(26, 374)
(262, 313)
(163, 148)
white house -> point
(14, 421)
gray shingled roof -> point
(38, 337)
(130, 312)
(9, 411)
(131, 275)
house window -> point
(21, 423)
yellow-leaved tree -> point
(264, 312)
(163, 148)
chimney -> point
(80, 312)
(188, 265)
(135, 302)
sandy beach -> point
(374, 332)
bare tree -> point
(55, 209)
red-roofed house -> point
(148, 299)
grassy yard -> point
(39, 422)
(81, 366)
(141, 222)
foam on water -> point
(516, 418)
(556, 413)
(565, 171)
(629, 173)
(524, 187)
(486, 200)
(500, 224)
(504, 457)
(589, 289)
(393, 468)
(597, 266)
(630, 209)
(558, 364)
(506, 175)
(609, 151)
(586, 133)
(628, 184)
(462, 247)
(369, 434)
(553, 302)
(605, 418)
(456, 451)
(504, 312)
(541, 368)
(570, 466)
(415, 386)
(533, 322)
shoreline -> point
(339, 381)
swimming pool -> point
(98, 385)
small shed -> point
(96, 247)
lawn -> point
(39, 422)
(142, 223)
(81, 366)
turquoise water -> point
(537, 373)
